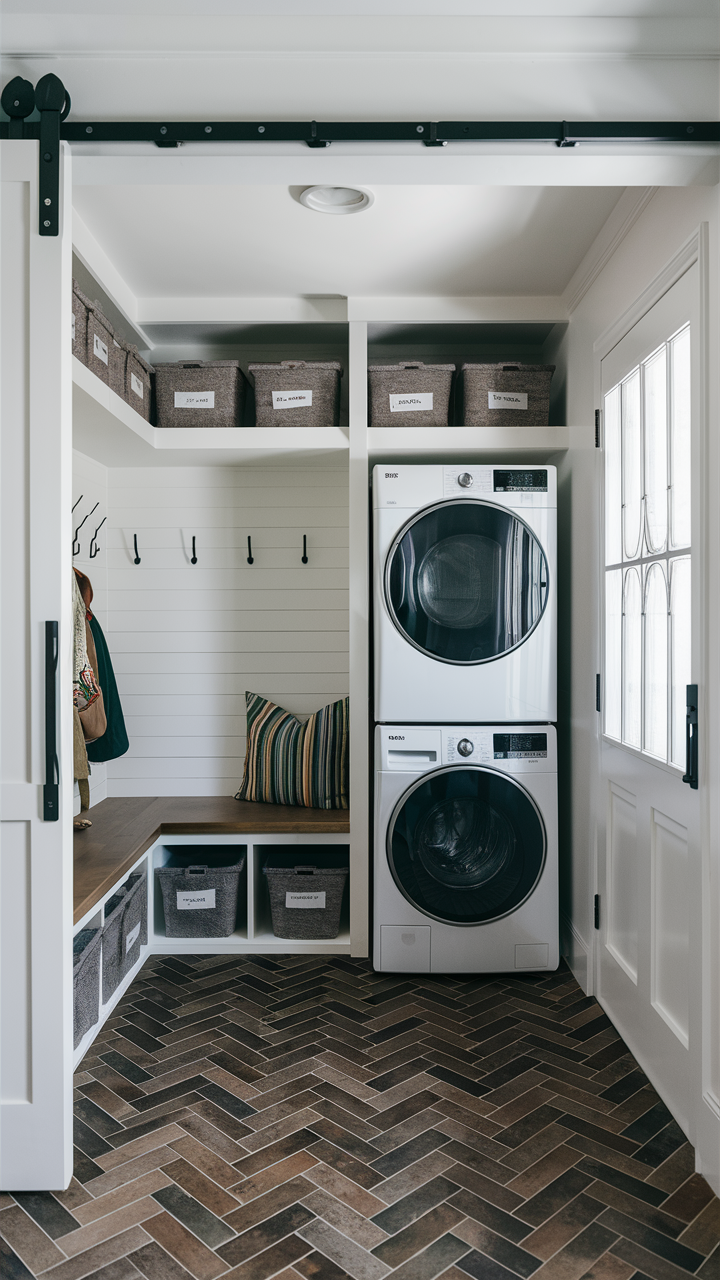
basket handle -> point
(190, 364)
(411, 364)
(196, 870)
(293, 364)
(304, 870)
(508, 368)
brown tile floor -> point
(305, 1117)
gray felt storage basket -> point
(80, 304)
(99, 341)
(138, 383)
(409, 394)
(86, 982)
(506, 395)
(200, 891)
(117, 361)
(297, 393)
(305, 901)
(124, 931)
(200, 393)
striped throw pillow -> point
(288, 762)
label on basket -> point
(194, 399)
(414, 402)
(137, 386)
(99, 349)
(132, 937)
(291, 399)
(507, 399)
(307, 900)
(196, 900)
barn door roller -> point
(52, 100)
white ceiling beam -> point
(458, 164)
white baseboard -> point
(577, 954)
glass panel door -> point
(648, 553)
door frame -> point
(705, 1104)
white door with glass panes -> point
(649, 859)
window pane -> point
(632, 660)
(681, 634)
(680, 438)
(655, 395)
(613, 479)
(613, 653)
(656, 662)
(632, 465)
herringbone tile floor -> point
(293, 1116)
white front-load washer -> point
(466, 860)
(465, 593)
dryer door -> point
(466, 845)
(466, 582)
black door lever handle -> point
(691, 737)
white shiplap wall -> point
(90, 479)
(187, 641)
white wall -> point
(90, 479)
(187, 641)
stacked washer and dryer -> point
(465, 630)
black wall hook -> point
(76, 542)
(250, 559)
(137, 557)
(193, 558)
(304, 554)
(93, 540)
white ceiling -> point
(232, 241)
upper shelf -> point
(463, 442)
(106, 428)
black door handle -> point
(691, 737)
(51, 789)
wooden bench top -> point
(124, 828)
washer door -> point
(465, 582)
(466, 845)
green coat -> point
(114, 742)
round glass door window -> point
(466, 845)
(465, 582)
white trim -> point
(689, 253)
(628, 209)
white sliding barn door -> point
(35, 586)
(650, 868)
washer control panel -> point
(420, 749)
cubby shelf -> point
(107, 429)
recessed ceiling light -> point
(336, 199)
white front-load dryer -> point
(465, 593)
(466, 861)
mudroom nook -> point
(359, 892)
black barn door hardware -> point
(93, 540)
(76, 540)
(250, 559)
(193, 558)
(53, 102)
(51, 789)
(304, 554)
(691, 737)
(137, 557)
